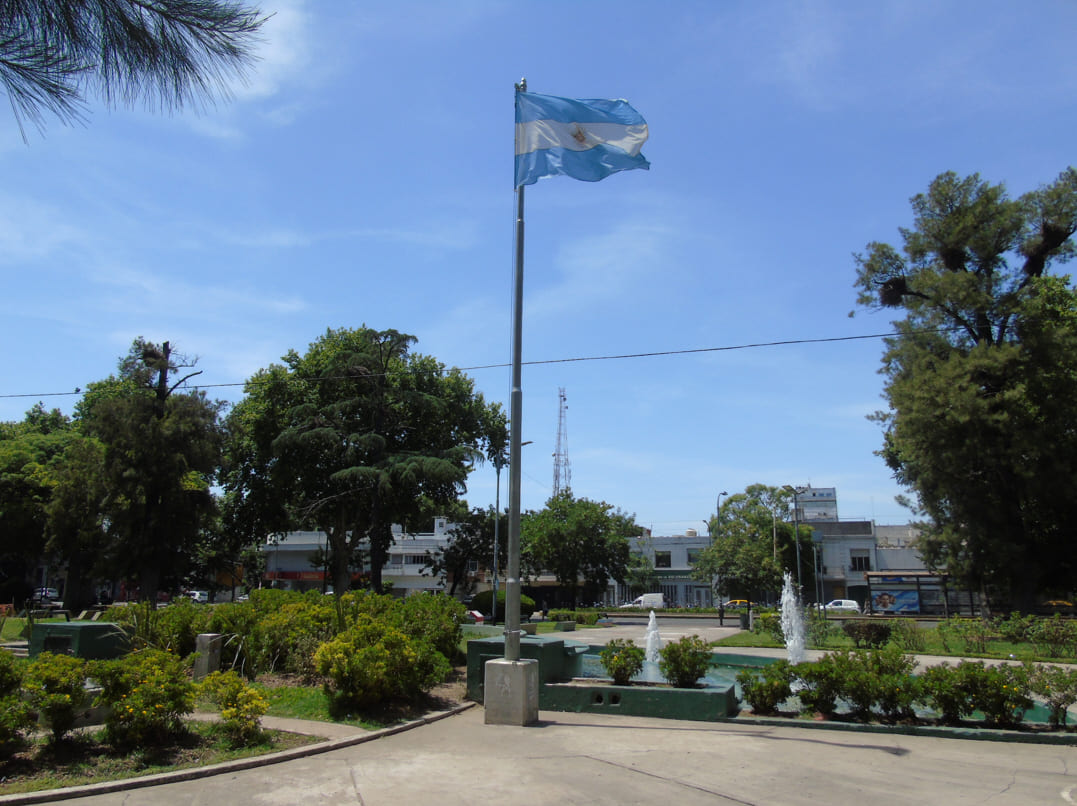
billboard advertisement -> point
(891, 601)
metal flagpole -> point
(512, 573)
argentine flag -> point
(587, 139)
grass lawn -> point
(86, 759)
(295, 701)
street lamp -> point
(796, 525)
(718, 515)
(499, 462)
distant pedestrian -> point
(721, 613)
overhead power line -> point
(614, 357)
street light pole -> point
(499, 460)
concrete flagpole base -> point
(511, 691)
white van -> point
(649, 601)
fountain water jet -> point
(792, 622)
(651, 672)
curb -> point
(933, 731)
(193, 773)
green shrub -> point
(1057, 687)
(941, 690)
(820, 686)
(1054, 637)
(622, 659)
(55, 688)
(906, 634)
(562, 615)
(1016, 628)
(237, 622)
(179, 624)
(484, 600)
(821, 631)
(149, 692)
(15, 716)
(973, 633)
(684, 661)
(285, 639)
(435, 617)
(765, 688)
(241, 707)
(371, 662)
(1000, 693)
(867, 633)
(768, 623)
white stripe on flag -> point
(536, 135)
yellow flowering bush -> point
(372, 661)
(241, 706)
(54, 686)
(149, 693)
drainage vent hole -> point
(615, 699)
(597, 698)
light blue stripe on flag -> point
(587, 139)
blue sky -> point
(364, 176)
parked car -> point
(736, 604)
(199, 597)
(841, 606)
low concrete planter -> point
(700, 704)
(565, 626)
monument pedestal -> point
(511, 691)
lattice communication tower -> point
(562, 471)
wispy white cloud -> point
(31, 230)
(601, 268)
(135, 290)
(454, 235)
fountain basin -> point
(586, 696)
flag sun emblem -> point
(579, 135)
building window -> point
(663, 559)
(859, 560)
(693, 556)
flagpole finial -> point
(522, 86)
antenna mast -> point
(562, 471)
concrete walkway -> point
(589, 759)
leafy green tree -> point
(471, 541)
(27, 451)
(754, 544)
(583, 543)
(75, 518)
(162, 449)
(355, 435)
(167, 52)
(981, 379)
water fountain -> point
(651, 672)
(792, 622)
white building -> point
(296, 561)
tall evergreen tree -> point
(162, 452)
(164, 52)
(981, 379)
